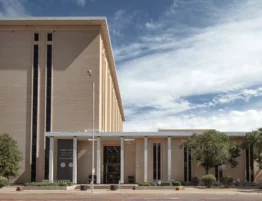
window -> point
(36, 37)
(48, 101)
(189, 165)
(185, 163)
(247, 165)
(251, 164)
(156, 161)
(49, 37)
(35, 111)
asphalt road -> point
(131, 197)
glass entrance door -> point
(111, 164)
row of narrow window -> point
(35, 103)
(49, 37)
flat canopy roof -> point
(134, 134)
(99, 21)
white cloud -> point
(81, 2)
(153, 25)
(172, 9)
(12, 8)
(120, 20)
(224, 57)
(224, 121)
(244, 94)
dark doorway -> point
(111, 164)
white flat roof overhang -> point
(133, 134)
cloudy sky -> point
(180, 63)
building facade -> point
(47, 101)
(45, 85)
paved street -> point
(189, 194)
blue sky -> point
(180, 63)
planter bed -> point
(49, 187)
(156, 187)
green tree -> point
(10, 156)
(253, 140)
(212, 148)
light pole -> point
(93, 138)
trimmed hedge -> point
(144, 184)
(48, 184)
(3, 181)
(227, 181)
(166, 184)
(208, 180)
(176, 183)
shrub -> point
(176, 183)
(208, 180)
(48, 184)
(227, 181)
(3, 181)
(131, 179)
(216, 183)
(144, 184)
(154, 184)
(237, 182)
(195, 181)
(10, 156)
(166, 184)
(70, 183)
(62, 184)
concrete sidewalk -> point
(188, 190)
(188, 194)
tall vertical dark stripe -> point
(216, 172)
(48, 104)
(185, 164)
(251, 164)
(159, 161)
(189, 165)
(247, 165)
(220, 173)
(154, 161)
(35, 112)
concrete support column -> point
(145, 159)
(75, 160)
(98, 163)
(169, 151)
(51, 160)
(122, 161)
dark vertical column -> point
(216, 172)
(185, 164)
(159, 161)
(48, 98)
(154, 161)
(189, 165)
(247, 165)
(251, 164)
(35, 107)
(220, 173)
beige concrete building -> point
(47, 104)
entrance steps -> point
(107, 186)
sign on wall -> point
(65, 160)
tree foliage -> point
(10, 156)
(253, 140)
(212, 148)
